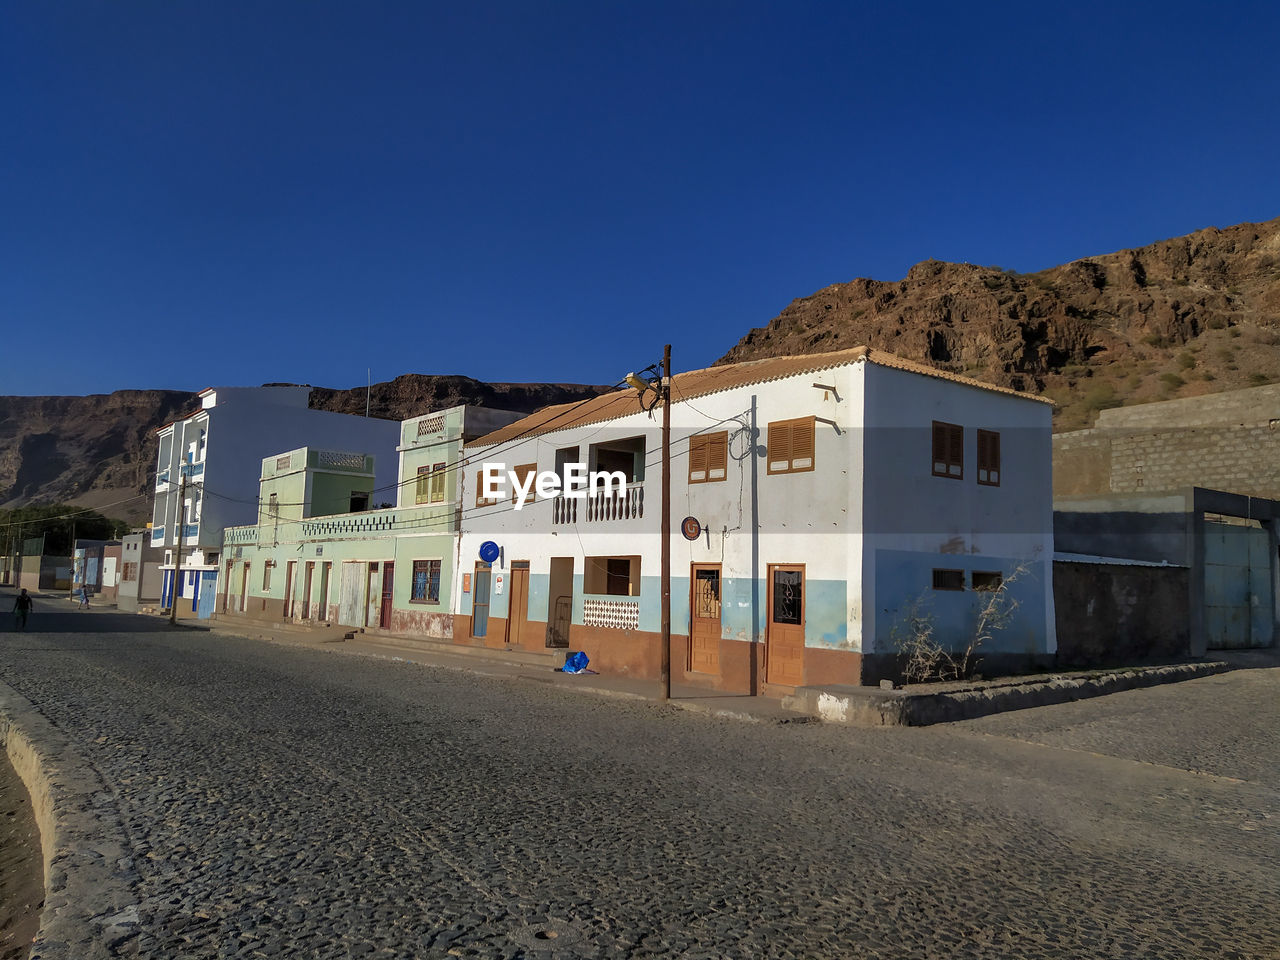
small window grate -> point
(430, 425)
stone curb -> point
(89, 909)
(868, 707)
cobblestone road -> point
(287, 802)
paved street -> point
(283, 801)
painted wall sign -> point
(466, 583)
(691, 528)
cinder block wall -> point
(1227, 441)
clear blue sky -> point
(226, 192)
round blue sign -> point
(488, 551)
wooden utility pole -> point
(177, 553)
(666, 522)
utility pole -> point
(666, 522)
(177, 553)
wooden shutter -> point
(698, 455)
(523, 472)
(948, 450)
(989, 458)
(437, 483)
(422, 493)
(778, 444)
(802, 444)
(717, 456)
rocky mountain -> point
(1187, 316)
(99, 451)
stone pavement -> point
(276, 800)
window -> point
(522, 475)
(359, 501)
(437, 483)
(612, 576)
(948, 579)
(430, 484)
(948, 450)
(266, 575)
(986, 580)
(130, 572)
(790, 445)
(426, 582)
(423, 493)
(989, 458)
(708, 456)
(480, 500)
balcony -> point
(193, 469)
(627, 505)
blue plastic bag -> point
(576, 663)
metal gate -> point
(1239, 598)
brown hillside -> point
(1193, 315)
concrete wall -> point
(1111, 614)
(1229, 441)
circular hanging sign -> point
(488, 551)
(691, 528)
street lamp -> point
(661, 386)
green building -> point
(321, 550)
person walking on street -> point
(22, 607)
(84, 596)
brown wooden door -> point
(244, 586)
(388, 588)
(704, 620)
(288, 588)
(518, 604)
(308, 572)
(784, 642)
(226, 590)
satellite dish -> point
(489, 551)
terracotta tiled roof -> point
(699, 383)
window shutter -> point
(437, 483)
(698, 452)
(802, 444)
(717, 456)
(779, 446)
(955, 459)
(423, 490)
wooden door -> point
(308, 572)
(480, 601)
(518, 604)
(288, 588)
(226, 595)
(244, 585)
(704, 619)
(388, 588)
(784, 641)
(323, 605)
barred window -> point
(426, 582)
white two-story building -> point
(818, 502)
(219, 449)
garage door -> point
(1238, 587)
